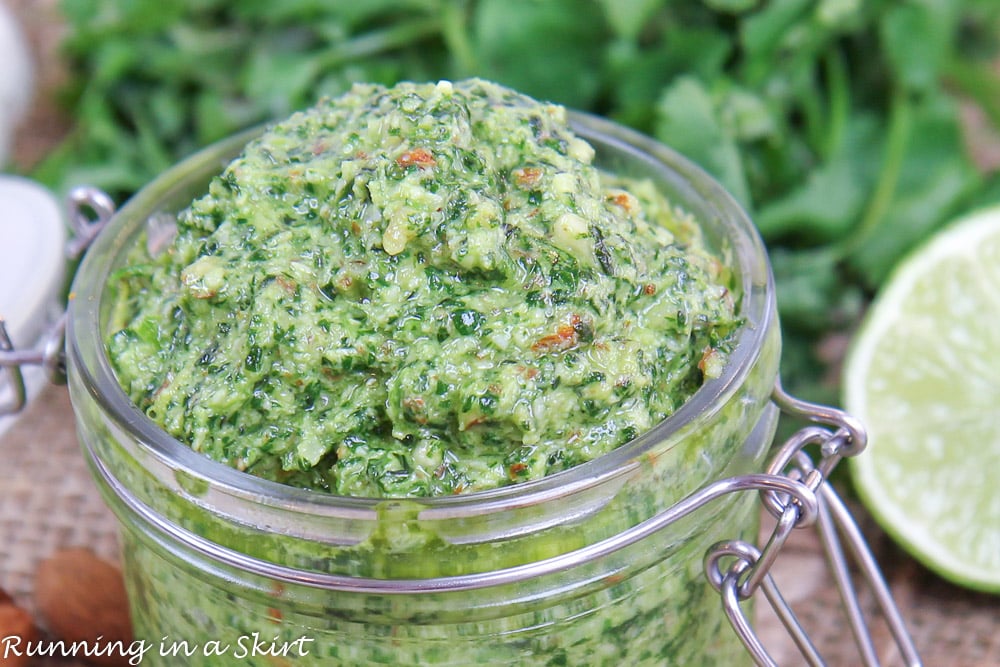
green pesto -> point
(421, 290)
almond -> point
(16, 630)
(82, 598)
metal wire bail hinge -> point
(89, 210)
(738, 569)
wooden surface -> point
(46, 122)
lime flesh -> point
(923, 375)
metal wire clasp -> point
(738, 569)
(89, 210)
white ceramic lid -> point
(32, 257)
(32, 266)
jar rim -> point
(88, 354)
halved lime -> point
(923, 374)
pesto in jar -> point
(421, 290)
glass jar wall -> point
(571, 569)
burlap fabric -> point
(47, 498)
(48, 501)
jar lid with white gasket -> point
(32, 274)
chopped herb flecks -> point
(417, 291)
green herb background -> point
(835, 122)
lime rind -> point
(923, 374)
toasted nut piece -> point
(82, 599)
(15, 622)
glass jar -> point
(578, 568)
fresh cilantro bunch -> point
(835, 122)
